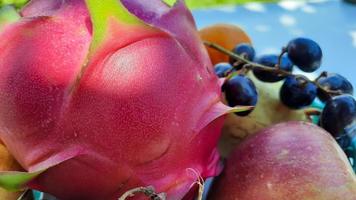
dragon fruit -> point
(8, 15)
(99, 97)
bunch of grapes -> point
(339, 114)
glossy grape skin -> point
(297, 93)
(222, 69)
(305, 53)
(240, 91)
(335, 82)
(241, 49)
(272, 61)
(344, 141)
(338, 113)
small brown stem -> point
(322, 75)
(311, 112)
(225, 51)
(244, 55)
(301, 77)
(237, 63)
(284, 50)
(328, 91)
(148, 191)
(242, 59)
(325, 90)
(245, 69)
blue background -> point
(331, 23)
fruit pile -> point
(339, 114)
(119, 99)
(286, 143)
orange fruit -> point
(8, 163)
(225, 35)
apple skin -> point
(287, 161)
(269, 110)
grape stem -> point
(322, 75)
(311, 112)
(326, 90)
(249, 65)
(284, 50)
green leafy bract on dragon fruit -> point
(99, 97)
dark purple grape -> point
(222, 69)
(245, 50)
(338, 115)
(272, 61)
(334, 82)
(240, 91)
(344, 141)
(297, 93)
(305, 53)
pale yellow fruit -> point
(269, 110)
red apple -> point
(287, 161)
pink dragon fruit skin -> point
(98, 110)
